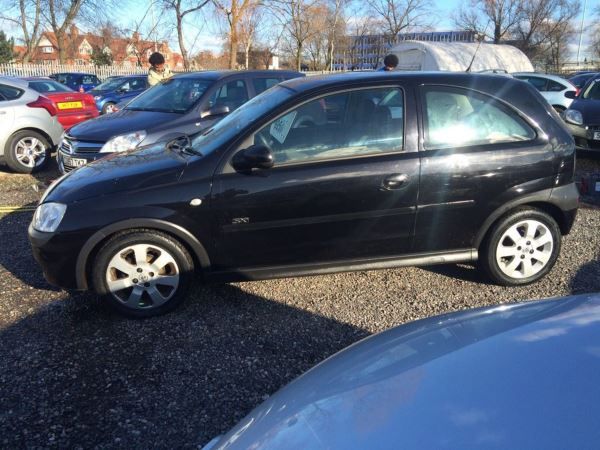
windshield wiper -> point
(183, 144)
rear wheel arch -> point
(552, 210)
(90, 249)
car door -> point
(8, 96)
(477, 154)
(343, 186)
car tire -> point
(106, 107)
(147, 288)
(521, 248)
(27, 151)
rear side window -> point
(538, 83)
(9, 92)
(89, 79)
(262, 84)
(553, 86)
(459, 117)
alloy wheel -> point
(142, 276)
(524, 249)
(30, 152)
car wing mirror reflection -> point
(215, 111)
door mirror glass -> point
(570, 94)
(215, 111)
(253, 157)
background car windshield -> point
(240, 119)
(174, 95)
(48, 87)
(110, 85)
(593, 91)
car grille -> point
(70, 146)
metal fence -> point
(37, 70)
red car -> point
(72, 107)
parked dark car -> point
(580, 79)
(319, 175)
(117, 89)
(521, 376)
(186, 104)
(77, 81)
(583, 117)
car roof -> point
(220, 74)
(37, 78)
(13, 81)
(458, 78)
(549, 76)
(74, 73)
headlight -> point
(47, 216)
(97, 97)
(573, 116)
(123, 142)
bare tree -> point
(336, 28)
(544, 22)
(183, 8)
(594, 47)
(248, 26)
(398, 16)
(501, 17)
(26, 14)
(361, 24)
(234, 11)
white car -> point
(29, 130)
(553, 88)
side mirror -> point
(253, 157)
(219, 110)
(570, 94)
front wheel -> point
(143, 273)
(521, 248)
(108, 108)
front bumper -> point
(70, 161)
(57, 254)
(584, 136)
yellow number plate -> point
(69, 105)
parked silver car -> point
(29, 130)
(553, 88)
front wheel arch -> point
(95, 242)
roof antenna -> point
(478, 45)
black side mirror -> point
(570, 94)
(219, 110)
(253, 157)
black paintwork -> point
(590, 111)
(324, 216)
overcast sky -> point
(205, 33)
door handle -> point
(395, 181)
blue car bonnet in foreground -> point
(513, 376)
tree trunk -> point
(182, 48)
(60, 42)
(298, 57)
(247, 54)
(233, 48)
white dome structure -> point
(456, 57)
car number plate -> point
(74, 162)
(597, 135)
(69, 105)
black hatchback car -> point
(347, 172)
(186, 103)
(583, 116)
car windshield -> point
(176, 95)
(240, 119)
(48, 86)
(110, 85)
(592, 92)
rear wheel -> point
(143, 273)
(521, 248)
(27, 151)
(108, 108)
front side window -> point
(262, 84)
(9, 92)
(232, 94)
(342, 125)
(553, 86)
(459, 117)
(592, 92)
(110, 84)
(538, 83)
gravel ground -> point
(73, 374)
